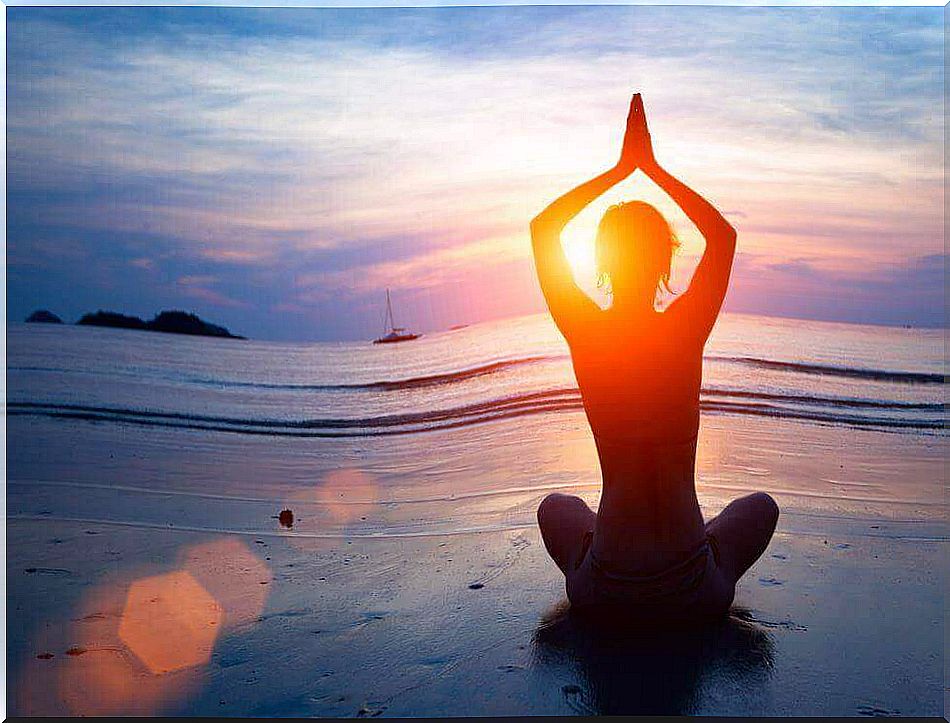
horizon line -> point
(466, 324)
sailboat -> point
(395, 333)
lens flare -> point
(87, 669)
(170, 622)
(347, 494)
(233, 575)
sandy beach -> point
(381, 602)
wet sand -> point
(410, 591)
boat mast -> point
(389, 313)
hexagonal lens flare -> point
(170, 622)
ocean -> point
(840, 374)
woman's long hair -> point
(634, 248)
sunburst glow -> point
(579, 249)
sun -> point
(579, 251)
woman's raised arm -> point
(571, 307)
(699, 305)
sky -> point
(275, 170)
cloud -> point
(196, 287)
(795, 267)
(237, 256)
(332, 153)
(909, 291)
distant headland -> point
(42, 316)
(170, 322)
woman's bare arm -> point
(571, 307)
(699, 305)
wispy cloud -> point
(197, 287)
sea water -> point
(841, 374)
(458, 431)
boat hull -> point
(396, 338)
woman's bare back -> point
(640, 380)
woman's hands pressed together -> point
(637, 150)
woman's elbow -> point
(541, 232)
(728, 237)
(538, 225)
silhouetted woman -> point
(647, 550)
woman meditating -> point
(646, 550)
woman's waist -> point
(631, 429)
(643, 414)
(647, 520)
(640, 459)
(645, 530)
(645, 442)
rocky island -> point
(181, 322)
(170, 322)
(111, 318)
(42, 316)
